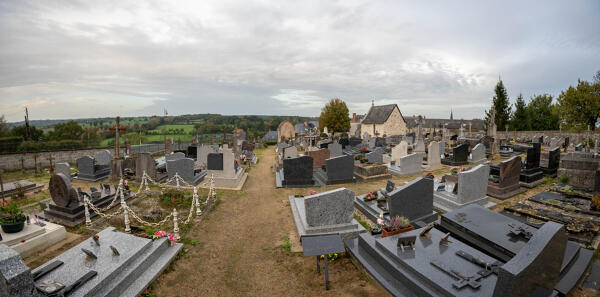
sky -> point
(79, 59)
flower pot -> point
(385, 233)
(13, 227)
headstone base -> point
(447, 201)
(320, 177)
(346, 231)
(34, 238)
(503, 193)
(399, 171)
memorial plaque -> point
(215, 161)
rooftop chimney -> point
(354, 117)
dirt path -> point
(238, 251)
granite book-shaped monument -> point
(89, 170)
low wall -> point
(13, 161)
(574, 137)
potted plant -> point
(395, 226)
(370, 196)
(12, 219)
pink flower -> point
(3, 203)
(379, 222)
(160, 233)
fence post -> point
(198, 211)
(88, 222)
(175, 226)
(125, 212)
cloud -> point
(108, 58)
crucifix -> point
(50, 159)
(116, 164)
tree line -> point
(577, 108)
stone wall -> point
(574, 137)
(13, 161)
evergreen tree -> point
(501, 105)
(542, 113)
(519, 119)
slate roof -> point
(452, 124)
(379, 114)
(270, 136)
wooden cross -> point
(51, 167)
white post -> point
(88, 222)
(177, 179)
(125, 212)
(145, 180)
(198, 211)
(175, 226)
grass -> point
(186, 128)
(363, 223)
(287, 244)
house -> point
(383, 120)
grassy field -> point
(186, 127)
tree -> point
(4, 131)
(501, 105)
(519, 119)
(335, 116)
(580, 106)
(542, 113)
(68, 130)
(36, 134)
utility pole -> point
(27, 130)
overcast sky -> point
(66, 59)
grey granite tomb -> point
(63, 168)
(202, 154)
(230, 176)
(472, 189)
(473, 251)
(408, 165)
(326, 213)
(296, 172)
(478, 154)
(376, 156)
(146, 163)
(434, 160)
(337, 170)
(184, 167)
(90, 171)
(335, 150)
(128, 272)
(103, 157)
(413, 200)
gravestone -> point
(458, 157)
(433, 156)
(471, 188)
(413, 201)
(118, 264)
(337, 170)
(554, 142)
(214, 161)
(103, 157)
(329, 212)
(66, 206)
(145, 163)
(408, 165)
(553, 162)
(329, 208)
(354, 141)
(185, 169)
(297, 171)
(63, 168)
(504, 179)
(174, 156)
(335, 150)
(420, 147)
(478, 154)
(531, 174)
(399, 151)
(203, 152)
(319, 157)
(375, 156)
(290, 152)
(442, 149)
(90, 171)
(372, 142)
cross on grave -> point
(461, 279)
(488, 268)
(520, 230)
(89, 253)
(322, 245)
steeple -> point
(372, 102)
(451, 116)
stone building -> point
(285, 131)
(382, 120)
